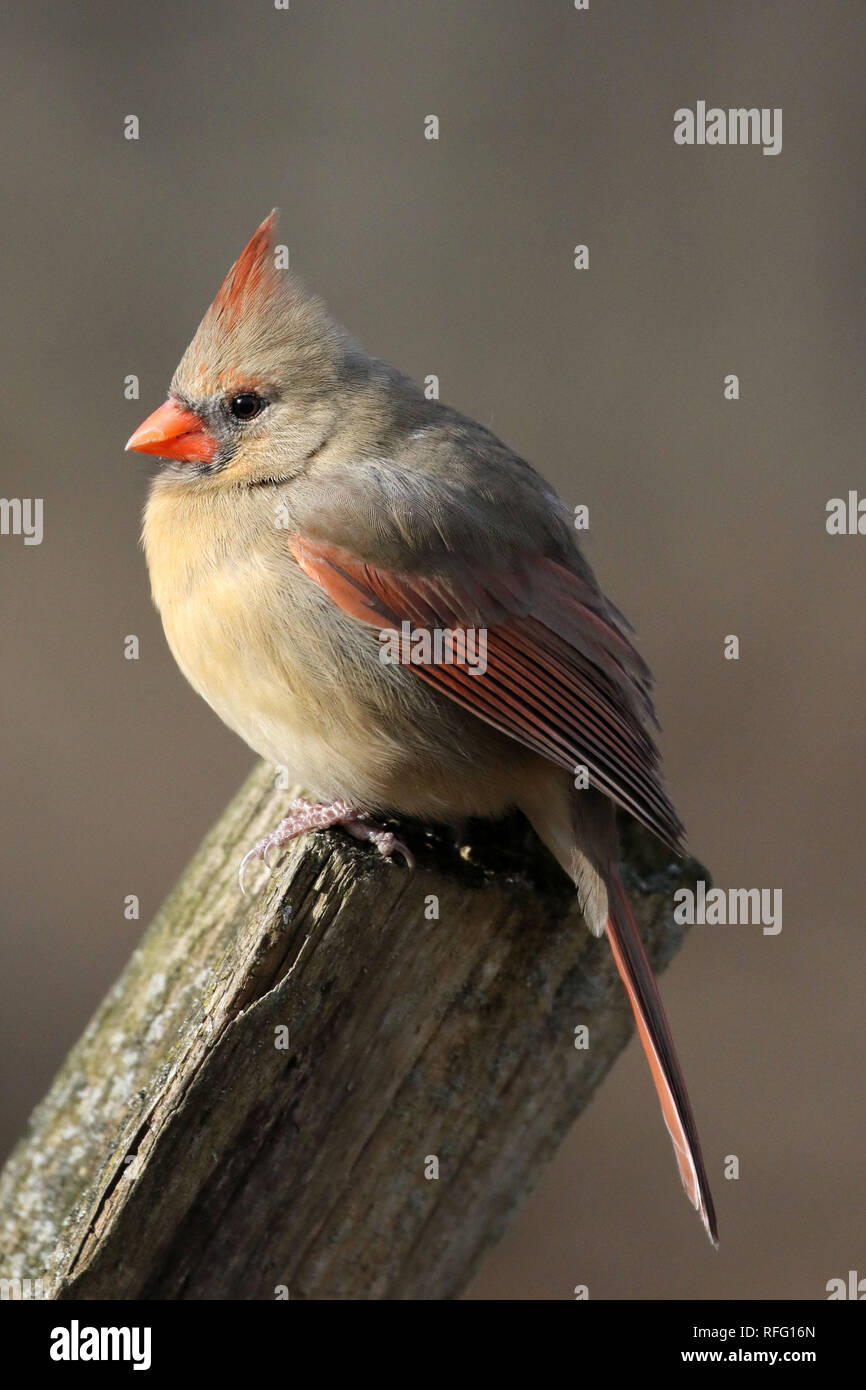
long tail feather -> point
(655, 1034)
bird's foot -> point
(385, 842)
(306, 815)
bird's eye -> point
(246, 406)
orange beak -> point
(174, 433)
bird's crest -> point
(253, 278)
(261, 323)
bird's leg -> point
(306, 815)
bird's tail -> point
(655, 1034)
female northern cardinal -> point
(312, 499)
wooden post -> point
(341, 1088)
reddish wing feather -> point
(562, 677)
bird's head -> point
(255, 393)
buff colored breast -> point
(248, 642)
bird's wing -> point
(562, 676)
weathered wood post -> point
(340, 1089)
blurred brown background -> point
(455, 258)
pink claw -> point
(305, 815)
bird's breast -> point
(299, 682)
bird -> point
(311, 502)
